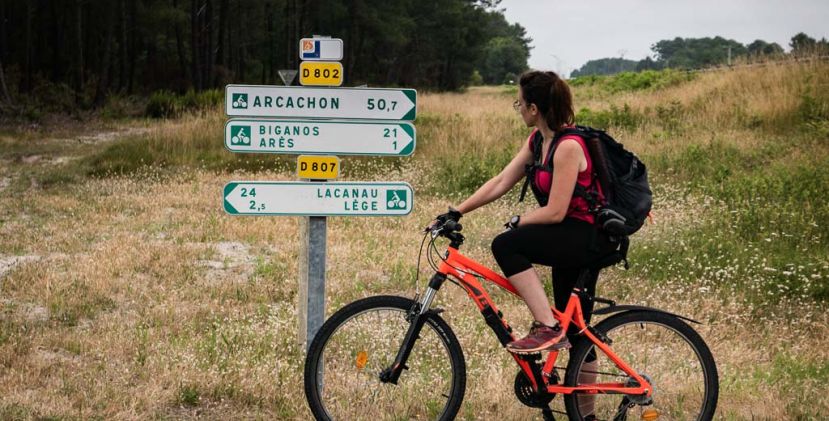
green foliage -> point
(188, 395)
(504, 57)
(692, 53)
(179, 45)
(649, 79)
(459, 176)
(812, 109)
(476, 79)
(505, 53)
(803, 44)
(15, 412)
(760, 47)
(813, 116)
(635, 81)
(165, 104)
(605, 66)
(763, 232)
(623, 117)
(670, 116)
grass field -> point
(127, 293)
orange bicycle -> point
(395, 358)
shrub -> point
(463, 176)
(624, 117)
(670, 116)
(163, 104)
(635, 81)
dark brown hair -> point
(551, 95)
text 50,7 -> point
(381, 104)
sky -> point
(566, 34)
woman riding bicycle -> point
(390, 357)
(561, 233)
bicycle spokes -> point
(365, 345)
(665, 359)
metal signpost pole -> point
(311, 277)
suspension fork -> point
(417, 316)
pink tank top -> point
(578, 207)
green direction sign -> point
(320, 137)
(318, 198)
(313, 102)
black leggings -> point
(567, 246)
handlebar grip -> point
(452, 226)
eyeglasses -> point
(516, 105)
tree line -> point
(695, 53)
(82, 51)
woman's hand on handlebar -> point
(452, 215)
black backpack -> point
(622, 176)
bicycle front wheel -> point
(662, 348)
(342, 369)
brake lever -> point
(436, 232)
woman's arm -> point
(566, 162)
(500, 184)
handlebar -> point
(452, 226)
(450, 229)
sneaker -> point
(540, 338)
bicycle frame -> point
(466, 271)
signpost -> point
(320, 137)
(289, 198)
(307, 102)
(318, 119)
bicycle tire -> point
(435, 331)
(667, 405)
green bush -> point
(624, 117)
(163, 104)
(670, 116)
(459, 177)
(635, 81)
(476, 79)
(812, 108)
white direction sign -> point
(325, 49)
(312, 102)
(318, 198)
(320, 137)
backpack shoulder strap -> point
(529, 169)
(570, 131)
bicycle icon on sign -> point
(396, 199)
(240, 100)
(242, 136)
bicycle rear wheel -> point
(360, 340)
(662, 347)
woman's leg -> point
(587, 403)
(516, 250)
(531, 290)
